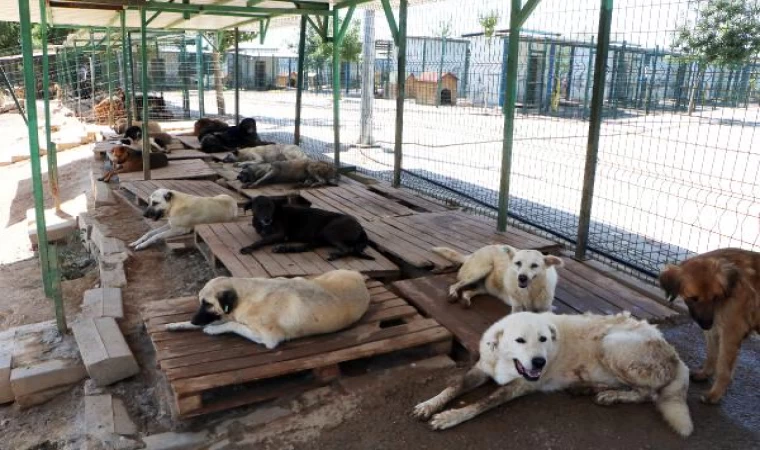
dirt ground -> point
(367, 412)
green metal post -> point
(66, 73)
(527, 86)
(108, 77)
(594, 128)
(588, 76)
(76, 78)
(199, 64)
(509, 113)
(440, 73)
(336, 87)
(401, 93)
(651, 78)
(126, 51)
(92, 73)
(466, 80)
(183, 73)
(144, 87)
(52, 157)
(424, 54)
(132, 78)
(299, 80)
(237, 76)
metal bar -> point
(108, 79)
(346, 22)
(571, 67)
(392, 20)
(336, 88)
(594, 129)
(263, 28)
(299, 79)
(55, 288)
(368, 77)
(527, 87)
(13, 94)
(439, 84)
(314, 25)
(526, 11)
(236, 65)
(92, 75)
(52, 157)
(588, 77)
(144, 88)
(240, 11)
(652, 75)
(184, 72)
(401, 89)
(126, 52)
(200, 69)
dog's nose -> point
(522, 278)
(538, 362)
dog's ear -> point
(670, 281)
(727, 276)
(553, 331)
(168, 196)
(492, 344)
(551, 260)
(509, 250)
(227, 300)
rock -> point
(175, 441)
(105, 415)
(104, 351)
(103, 302)
(101, 193)
(6, 392)
(45, 375)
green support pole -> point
(336, 87)
(424, 55)
(199, 65)
(52, 157)
(183, 73)
(126, 51)
(594, 129)
(401, 92)
(108, 78)
(588, 76)
(92, 74)
(509, 113)
(44, 250)
(439, 85)
(144, 87)
(237, 76)
(132, 77)
(299, 80)
(78, 85)
(66, 73)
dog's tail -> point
(450, 254)
(671, 402)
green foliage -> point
(725, 32)
(9, 37)
(443, 30)
(318, 53)
(489, 21)
(226, 39)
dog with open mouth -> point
(618, 358)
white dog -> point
(267, 154)
(184, 212)
(623, 360)
(270, 311)
(523, 279)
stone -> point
(101, 193)
(175, 441)
(105, 244)
(59, 226)
(112, 274)
(6, 392)
(91, 388)
(105, 415)
(45, 375)
(435, 363)
(263, 415)
(38, 398)
(103, 302)
(104, 350)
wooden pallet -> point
(221, 243)
(184, 153)
(411, 237)
(207, 373)
(408, 198)
(186, 169)
(190, 142)
(272, 190)
(580, 289)
(201, 188)
(356, 200)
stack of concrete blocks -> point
(101, 192)
(111, 254)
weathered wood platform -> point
(408, 198)
(221, 244)
(183, 153)
(356, 200)
(411, 237)
(190, 142)
(580, 289)
(201, 188)
(207, 373)
(178, 150)
(186, 169)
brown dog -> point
(720, 289)
(125, 159)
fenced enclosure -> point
(667, 183)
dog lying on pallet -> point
(269, 311)
(158, 141)
(264, 154)
(125, 159)
(207, 125)
(276, 222)
(228, 139)
(305, 171)
(184, 212)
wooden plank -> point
(190, 142)
(199, 188)
(408, 198)
(237, 264)
(180, 154)
(176, 170)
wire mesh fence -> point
(669, 182)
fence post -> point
(144, 88)
(589, 64)
(336, 87)
(368, 77)
(92, 72)
(594, 128)
(237, 76)
(52, 157)
(132, 77)
(184, 74)
(299, 80)
(439, 85)
(400, 93)
(652, 75)
(200, 69)
(108, 78)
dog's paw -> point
(446, 419)
(699, 376)
(606, 398)
(711, 398)
(453, 295)
(212, 330)
(424, 410)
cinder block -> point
(84, 222)
(38, 398)
(107, 245)
(112, 272)
(105, 415)
(6, 393)
(45, 375)
(175, 441)
(101, 193)
(103, 302)
(58, 226)
(104, 351)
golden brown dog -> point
(720, 288)
(125, 159)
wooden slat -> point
(190, 142)
(186, 154)
(200, 188)
(237, 264)
(356, 201)
(176, 170)
(409, 198)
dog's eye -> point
(542, 339)
(534, 266)
(520, 340)
(518, 264)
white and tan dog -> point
(184, 212)
(270, 311)
(523, 279)
(620, 359)
(266, 154)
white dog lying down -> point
(523, 279)
(270, 311)
(621, 359)
(184, 212)
(266, 154)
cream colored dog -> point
(268, 154)
(621, 359)
(523, 279)
(184, 212)
(270, 311)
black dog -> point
(133, 136)
(276, 221)
(239, 136)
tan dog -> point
(523, 279)
(622, 359)
(120, 126)
(721, 290)
(270, 311)
(265, 154)
(125, 159)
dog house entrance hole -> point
(446, 97)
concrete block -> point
(84, 222)
(100, 191)
(59, 226)
(45, 375)
(107, 245)
(106, 415)
(112, 272)
(103, 302)
(175, 441)
(104, 351)
(6, 393)
(38, 398)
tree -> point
(489, 21)
(318, 53)
(724, 33)
(222, 41)
(10, 33)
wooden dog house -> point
(287, 80)
(424, 88)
